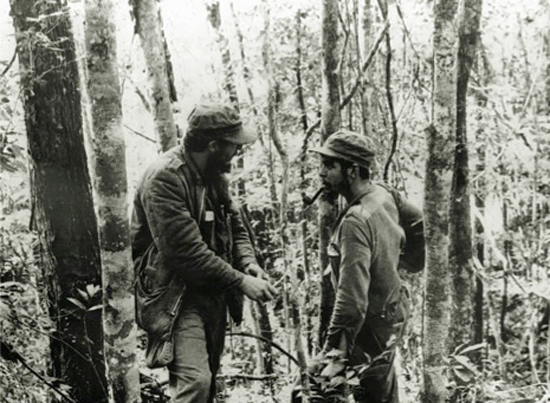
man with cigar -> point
(371, 305)
(186, 230)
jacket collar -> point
(193, 169)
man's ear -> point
(213, 146)
(353, 171)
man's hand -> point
(327, 365)
(258, 289)
(316, 364)
(256, 271)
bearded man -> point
(186, 230)
(371, 305)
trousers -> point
(198, 346)
(375, 347)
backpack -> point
(413, 254)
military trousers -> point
(375, 350)
(198, 346)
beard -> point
(333, 190)
(215, 166)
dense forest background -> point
(267, 56)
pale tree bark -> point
(368, 109)
(461, 247)
(439, 169)
(330, 122)
(304, 227)
(480, 195)
(292, 317)
(251, 98)
(383, 4)
(148, 25)
(215, 19)
(246, 73)
(111, 191)
(61, 194)
(259, 313)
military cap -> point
(219, 122)
(349, 146)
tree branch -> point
(391, 107)
(13, 355)
(353, 90)
(248, 377)
(272, 343)
(8, 67)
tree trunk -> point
(461, 248)
(275, 136)
(215, 20)
(111, 191)
(303, 155)
(149, 28)
(260, 315)
(368, 109)
(439, 167)
(63, 212)
(246, 73)
(481, 193)
(329, 124)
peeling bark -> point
(61, 194)
(439, 168)
(111, 191)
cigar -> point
(308, 201)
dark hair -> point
(196, 141)
(364, 172)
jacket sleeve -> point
(352, 291)
(243, 251)
(177, 234)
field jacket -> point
(364, 253)
(176, 217)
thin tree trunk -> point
(63, 212)
(461, 248)
(368, 111)
(329, 124)
(111, 188)
(149, 28)
(259, 313)
(215, 19)
(272, 115)
(303, 217)
(246, 73)
(263, 321)
(481, 194)
(383, 4)
(439, 167)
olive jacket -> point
(364, 253)
(193, 229)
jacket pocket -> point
(158, 296)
